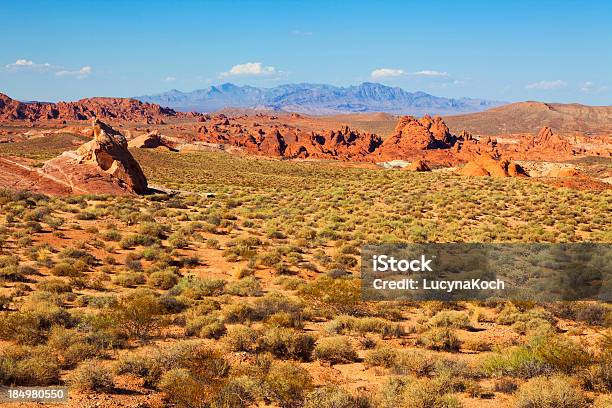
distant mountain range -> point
(317, 99)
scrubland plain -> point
(237, 285)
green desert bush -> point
(335, 350)
(330, 396)
(247, 286)
(409, 392)
(288, 383)
(241, 338)
(91, 375)
(382, 357)
(541, 355)
(450, 318)
(440, 338)
(549, 392)
(345, 324)
(163, 279)
(286, 343)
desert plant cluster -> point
(237, 285)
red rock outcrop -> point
(151, 140)
(103, 165)
(84, 109)
(412, 135)
(289, 142)
(485, 165)
(545, 146)
(418, 165)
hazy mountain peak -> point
(318, 99)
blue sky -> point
(557, 51)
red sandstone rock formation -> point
(288, 142)
(151, 140)
(102, 108)
(103, 165)
(412, 135)
(485, 165)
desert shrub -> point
(138, 314)
(241, 338)
(505, 385)
(238, 392)
(288, 383)
(274, 302)
(111, 235)
(362, 325)
(163, 279)
(407, 392)
(102, 330)
(541, 355)
(193, 356)
(70, 346)
(415, 362)
(440, 338)
(208, 327)
(595, 314)
(335, 350)
(91, 375)
(65, 269)
(16, 273)
(194, 287)
(32, 326)
(382, 357)
(178, 240)
(75, 254)
(29, 368)
(285, 319)
(510, 314)
(341, 294)
(55, 286)
(153, 229)
(135, 240)
(129, 279)
(248, 286)
(182, 389)
(238, 313)
(330, 396)
(286, 343)
(551, 392)
(450, 318)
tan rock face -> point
(151, 140)
(418, 165)
(103, 165)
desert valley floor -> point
(230, 278)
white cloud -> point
(547, 85)
(22, 64)
(250, 69)
(591, 87)
(430, 73)
(387, 73)
(170, 79)
(79, 73)
(394, 73)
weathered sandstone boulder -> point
(418, 165)
(103, 165)
(485, 165)
(151, 140)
